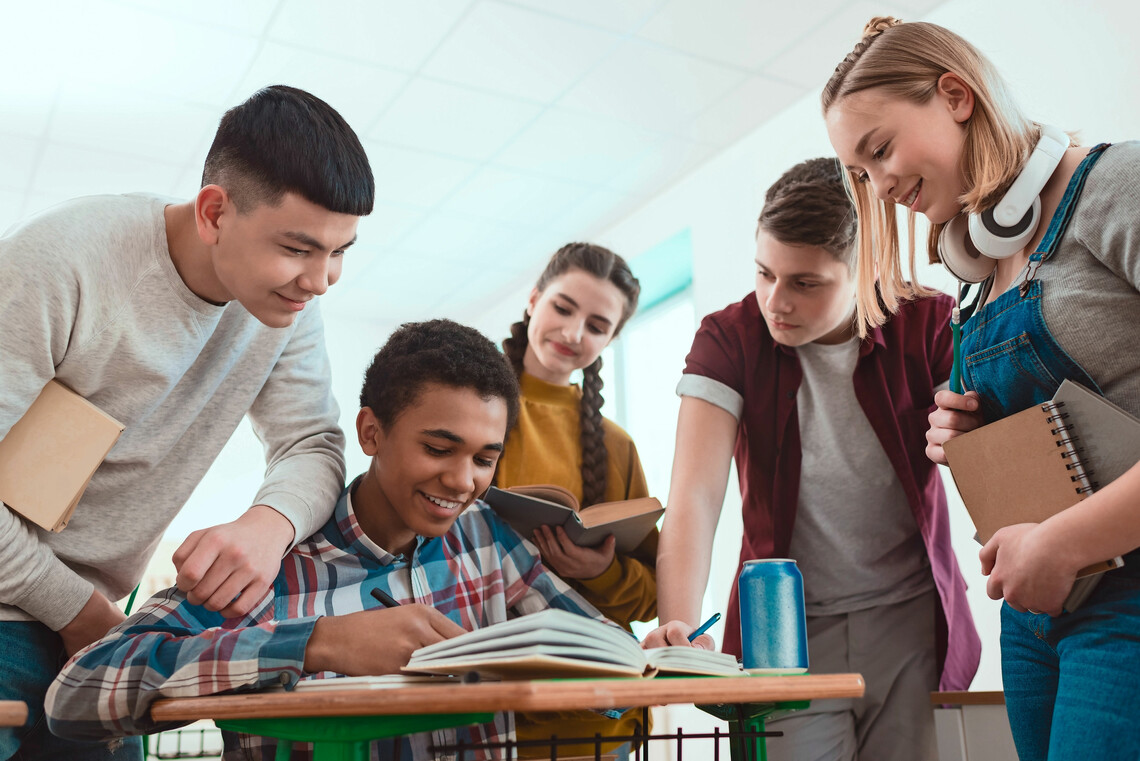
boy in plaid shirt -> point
(436, 405)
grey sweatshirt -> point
(89, 295)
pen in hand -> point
(385, 599)
(705, 626)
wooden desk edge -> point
(968, 698)
(13, 713)
(550, 695)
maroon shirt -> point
(899, 366)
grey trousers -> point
(892, 646)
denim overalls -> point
(1072, 683)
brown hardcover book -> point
(49, 455)
(1029, 466)
(528, 507)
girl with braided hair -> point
(920, 118)
(579, 304)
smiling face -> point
(909, 153)
(429, 465)
(805, 294)
(271, 259)
(570, 323)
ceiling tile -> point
(744, 109)
(741, 33)
(387, 224)
(518, 52)
(454, 120)
(447, 238)
(662, 164)
(622, 17)
(596, 212)
(389, 32)
(415, 178)
(248, 16)
(810, 62)
(508, 196)
(137, 49)
(17, 160)
(127, 121)
(66, 172)
(358, 91)
(574, 146)
(654, 88)
(403, 286)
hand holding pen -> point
(704, 627)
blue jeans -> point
(1072, 683)
(30, 656)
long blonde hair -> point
(907, 60)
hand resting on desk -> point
(376, 641)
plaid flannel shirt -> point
(477, 574)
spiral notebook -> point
(1048, 458)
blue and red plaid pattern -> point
(477, 574)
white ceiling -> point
(497, 130)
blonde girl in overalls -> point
(920, 118)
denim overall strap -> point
(1009, 355)
(1060, 222)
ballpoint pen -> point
(705, 626)
(385, 599)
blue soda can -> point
(773, 626)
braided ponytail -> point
(514, 346)
(595, 458)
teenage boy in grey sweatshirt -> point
(178, 319)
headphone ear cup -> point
(960, 255)
(1003, 242)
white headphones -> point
(971, 244)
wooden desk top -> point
(13, 713)
(539, 695)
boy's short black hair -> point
(809, 206)
(285, 140)
(436, 351)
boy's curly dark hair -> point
(436, 351)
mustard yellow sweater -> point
(544, 448)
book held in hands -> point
(528, 507)
(48, 456)
(558, 644)
(1029, 466)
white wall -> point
(1070, 63)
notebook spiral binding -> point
(1067, 439)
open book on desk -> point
(1029, 466)
(554, 644)
(528, 507)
